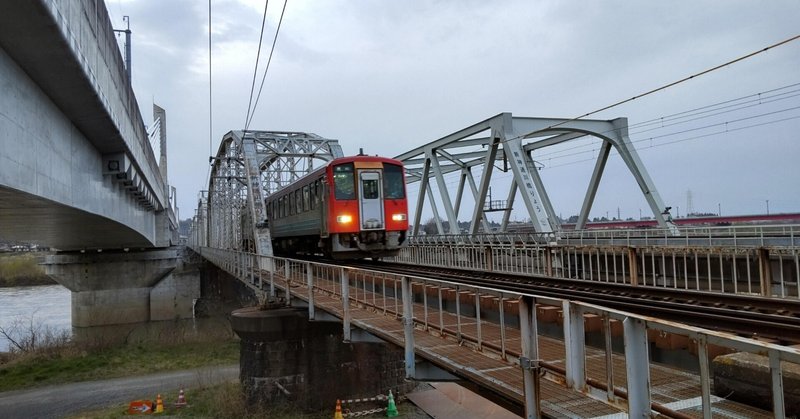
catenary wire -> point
(668, 85)
(269, 60)
(255, 68)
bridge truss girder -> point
(512, 141)
(249, 166)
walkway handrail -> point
(347, 286)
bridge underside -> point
(32, 219)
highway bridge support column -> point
(112, 288)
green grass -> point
(130, 360)
(22, 269)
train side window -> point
(344, 186)
(393, 186)
(318, 195)
(306, 199)
(298, 200)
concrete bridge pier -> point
(287, 359)
(113, 288)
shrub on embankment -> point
(22, 269)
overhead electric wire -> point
(269, 60)
(725, 123)
(255, 69)
(681, 140)
(666, 86)
(696, 111)
(210, 109)
(718, 105)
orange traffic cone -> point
(181, 399)
(338, 414)
(159, 405)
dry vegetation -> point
(20, 269)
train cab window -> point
(370, 189)
(312, 196)
(393, 186)
(344, 186)
(306, 203)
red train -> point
(353, 207)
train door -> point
(370, 188)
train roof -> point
(340, 160)
(349, 159)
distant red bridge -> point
(697, 221)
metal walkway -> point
(490, 338)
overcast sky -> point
(391, 76)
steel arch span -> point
(249, 166)
(513, 141)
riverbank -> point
(74, 362)
(22, 269)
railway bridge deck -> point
(494, 339)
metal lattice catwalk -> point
(513, 141)
(248, 167)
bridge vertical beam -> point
(765, 272)
(310, 283)
(594, 182)
(633, 263)
(345, 279)
(529, 361)
(462, 178)
(448, 205)
(408, 326)
(776, 375)
(575, 346)
(512, 193)
(435, 209)
(488, 167)
(423, 186)
(637, 367)
(474, 189)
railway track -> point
(748, 316)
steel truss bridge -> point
(229, 231)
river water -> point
(45, 306)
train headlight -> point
(343, 219)
(399, 217)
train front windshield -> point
(393, 187)
(344, 186)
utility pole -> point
(767, 206)
(719, 209)
(127, 32)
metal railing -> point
(425, 304)
(724, 259)
(780, 235)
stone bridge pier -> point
(112, 288)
